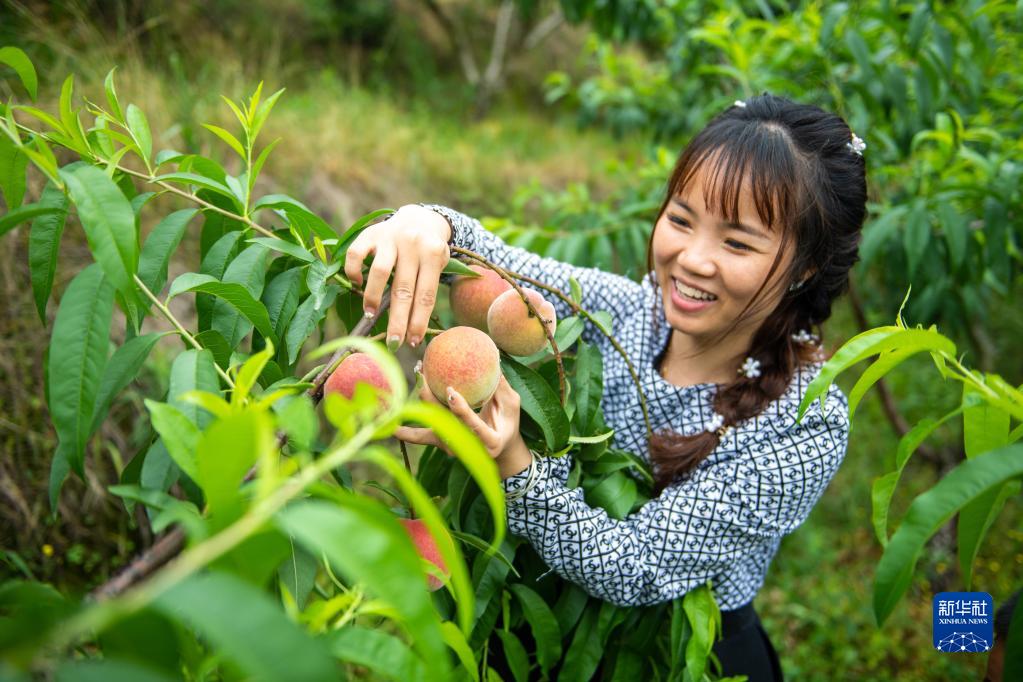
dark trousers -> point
(745, 648)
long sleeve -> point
(601, 290)
(722, 523)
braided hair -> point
(806, 179)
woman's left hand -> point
(497, 424)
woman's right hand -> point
(414, 243)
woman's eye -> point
(678, 221)
(738, 245)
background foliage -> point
(931, 87)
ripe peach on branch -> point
(465, 359)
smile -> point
(692, 292)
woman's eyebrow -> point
(741, 227)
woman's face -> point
(709, 269)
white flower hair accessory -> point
(739, 103)
(857, 145)
(803, 336)
(750, 368)
(716, 422)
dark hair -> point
(1003, 616)
(805, 180)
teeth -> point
(693, 293)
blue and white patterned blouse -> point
(723, 521)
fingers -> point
(432, 262)
(357, 252)
(483, 431)
(383, 263)
(402, 289)
(419, 436)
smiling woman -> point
(754, 240)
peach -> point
(471, 296)
(514, 328)
(427, 548)
(465, 359)
(354, 369)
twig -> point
(508, 277)
(580, 311)
(177, 325)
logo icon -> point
(963, 622)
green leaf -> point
(586, 649)
(249, 270)
(281, 299)
(379, 651)
(214, 342)
(290, 248)
(316, 279)
(160, 246)
(985, 428)
(884, 486)
(201, 181)
(1012, 662)
(307, 222)
(544, 625)
(872, 342)
(358, 226)
(228, 449)
(386, 563)
(587, 385)
(13, 165)
(885, 363)
(705, 622)
(109, 670)
(455, 639)
(233, 615)
(17, 59)
(261, 113)
(180, 436)
(576, 290)
(44, 245)
(227, 137)
(193, 370)
(236, 295)
(538, 401)
(109, 224)
(305, 321)
(515, 655)
(457, 267)
(138, 126)
(616, 494)
(121, 370)
(77, 357)
(929, 512)
(23, 214)
(916, 237)
(111, 92)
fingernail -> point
(414, 341)
(393, 342)
(451, 395)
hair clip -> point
(803, 336)
(715, 423)
(739, 103)
(750, 368)
(857, 145)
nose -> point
(697, 256)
